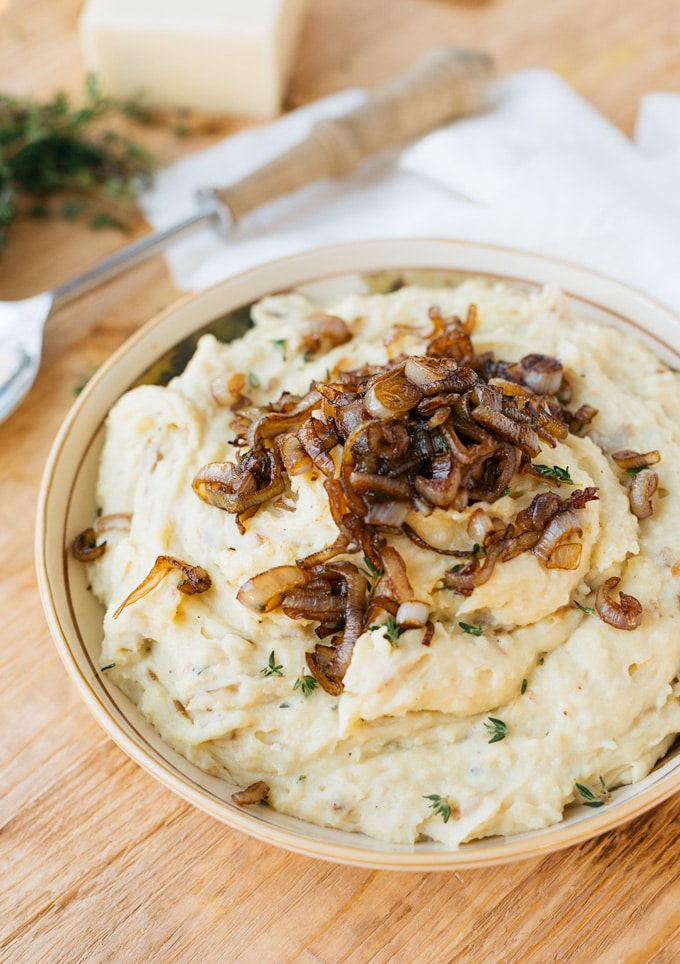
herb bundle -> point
(52, 148)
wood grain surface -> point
(97, 861)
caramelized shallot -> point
(559, 545)
(640, 491)
(628, 459)
(255, 793)
(323, 333)
(412, 614)
(194, 580)
(294, 458)
(266, 590)
(624, 614)
(391, 395)
(85, 547)
(541, 373)
(254, 479)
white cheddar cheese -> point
(211, 56)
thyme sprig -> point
(555, 472)
(272, 668)
(392, 630)
(472, 630)
(372, 574)
(53, 148)
(440, 805)
(306, 684)
(496, 729)
(591, 799)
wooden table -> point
(97, 861)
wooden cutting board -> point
(100, 863)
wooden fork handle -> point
(448, 83)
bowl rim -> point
(376, 855)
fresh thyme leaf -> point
(472, 630)
(636, 469)
(253, 380)
(497, 729)
(306, 684)
(506, 491)
(556, 472)
(584, 609)
(108, 666)
(272, 668)
(523, 690)
(440, 806)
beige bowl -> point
(67, 506)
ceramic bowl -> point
(67, 506)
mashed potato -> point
(512, 699)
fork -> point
(448, 83)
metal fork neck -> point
(134, 254)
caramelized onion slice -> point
(236, 487)
(318, 667)
(624, 614)
(628, 459)
(542, 373)
(113, 522)
(317, 439)
(466, 580)
(520, 434)
(274, 423)
(266, 590)
(640, 491)
(381, 485)
(423, 371)
(441, 550)
(395, 575)
(479, 525)
(315, 600)
(194, 580)
(323, 333)
(85, 548)
(412, 614)
(295, 459)
(387, 515)
(558, 546)
(582, 417)
(255, 793)
(391, 395)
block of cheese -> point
(210, 56)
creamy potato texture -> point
(409, 749)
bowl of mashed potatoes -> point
(371, 552)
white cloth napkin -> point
(538, 168)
